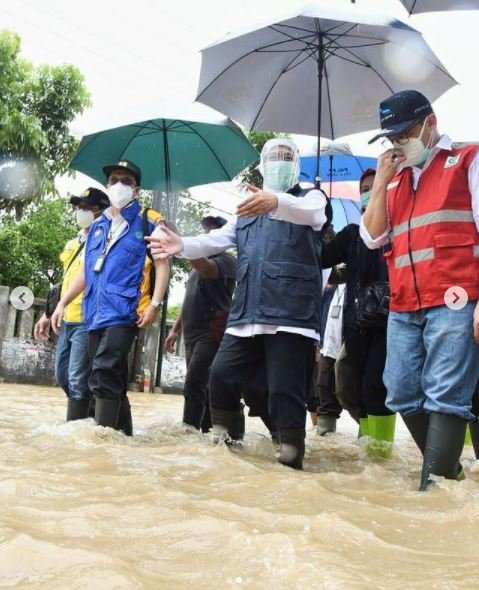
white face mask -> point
(120, 195)
(84, 218)
(415, 151)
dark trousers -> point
(287, 360)
(372, 359)
(108, 350)
(199, 356)
(366, 355)
(328, 402)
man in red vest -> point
(425, 199)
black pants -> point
(199, 356)
(287, 360)
(328, 402)
(366, 353)
(108, 350)
(372, 358)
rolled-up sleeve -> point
(373, 243)
(307, 210)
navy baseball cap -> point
(126, 165)
(401, 111)
(92, 197)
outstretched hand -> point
(165, 245)
(259, 203)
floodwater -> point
(83, 507)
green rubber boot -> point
(363, 427)
(467, 438)
(381, 433)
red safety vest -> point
(435, 242)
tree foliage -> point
(29, 250)
(36, 106)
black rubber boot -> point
(228, 426)
(107, 412)
(445, 441)
(125, 421)
(206, 424)
(78, 409)
(474, 430)
(291, 447)
(418, 425)
(193, 412)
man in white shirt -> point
(425, 198)
(275, 315)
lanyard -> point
(339, 296)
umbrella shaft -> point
(320, 64)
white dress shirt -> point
(444, 143)
(307, 210)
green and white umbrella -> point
(173, 153)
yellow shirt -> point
(145, 298)
(73, 311)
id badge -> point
(335, 311)
(99, 263)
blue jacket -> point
(279, 274)
(112, 295)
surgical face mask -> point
(120, 195)
(365, 198)
(415, 151)
(279, 175)
(84, 218)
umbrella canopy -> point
(321, 72)
(173, 154)
(416, 6)
(345, 211)
(338, 164)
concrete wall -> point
(23, 359)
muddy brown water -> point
(86, 507)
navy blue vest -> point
(279, 280)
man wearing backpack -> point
(117, 300)
(72, 366)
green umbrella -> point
(173, 154)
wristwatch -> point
(156, 304)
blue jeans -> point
(432, 361)
(72, 365)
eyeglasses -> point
(402, 139)
(280, 157)
(128, 180)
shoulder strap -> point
(74, 257)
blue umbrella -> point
(345, 211)
(337, 164)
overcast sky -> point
(146, 52)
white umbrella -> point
(320, 72)
(416, 6)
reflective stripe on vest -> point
(421, 255)
(416, 255)
(446, 215)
